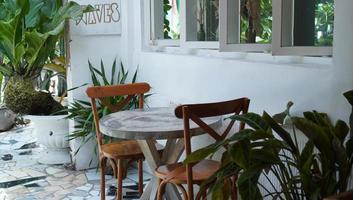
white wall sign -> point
(105, 20)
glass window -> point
(171, 19)
(256, 21)
(303, 27)
(202, 20)
(246, 25)
(164, 21)
(312, 23)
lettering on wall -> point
(105, 20)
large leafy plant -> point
(270, 150)
(29, 33)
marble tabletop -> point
(150, 123)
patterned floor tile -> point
(23, 178)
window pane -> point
(324, 17)
(256, 21)
(202, 20)
(311, 23)
(251, 24)
(171, 19)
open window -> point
(303, 27)
(245, 25)
(163, 26)
(200, 23)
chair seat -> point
(125, 149)
(122, 150)
(201, 171)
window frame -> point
(279, 32)
(185, 11)
(225, 46)
(152, 26)
(277, 36)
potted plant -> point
(30, 31)
(81, 111)
(267, 149)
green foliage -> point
(1, 82)
(81, 111)
(320, 169)
(324, 23)
(168, 32)
(256, 21)
(166, 8)
(30, 31)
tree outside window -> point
(171, 19)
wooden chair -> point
(116, 152)
(343, 196)
(197, 173)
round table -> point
(148, 125)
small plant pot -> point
(52, 132)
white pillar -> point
(342, 74)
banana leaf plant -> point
(29, 33)
(271, 152)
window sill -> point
(267, 58)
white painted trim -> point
(165, 43)
(146, 22)
(278, 34)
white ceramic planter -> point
(84, 151)
(52, 132)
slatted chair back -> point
(103, 93)
(195, 113)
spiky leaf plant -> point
(81, 111)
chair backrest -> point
(103, 93)
(196, 112)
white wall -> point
(205, 76)
(269, 81)
(93, 48)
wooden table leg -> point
(172, 153)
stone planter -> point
(7, 119)
(52, 132)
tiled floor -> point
(23, 178)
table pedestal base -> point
(171, 154)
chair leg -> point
(102, 163)
(183, 191)
(140, 173)
(201, 195)
(234, 195)
(120, 180)
(161, 190)
(204, 195)
(114, 165)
